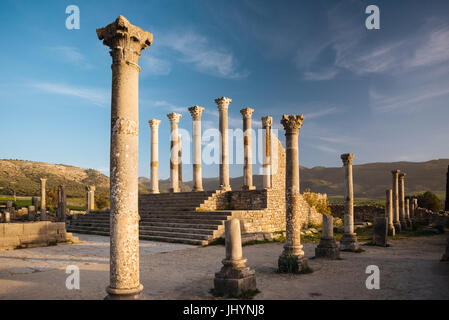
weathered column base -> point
(225, 188)
(198, 190)
(43, 216)
(173, 190)
(125, 294)
(397, 227)
(234, 279)
(248, 187)
(292, 264)
(327, 249)
(409, 224)
(391, 230)
(349, 242)
(154, 192)
(380, 234)
(445, 256)
(404, 225)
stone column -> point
(445, 256)
(266, 150)
(327, 248)
(126, 41)
(446, 203)
(154, 124)
(389, 212)
(43, 202)
(412, 209)
(196, 112)
(349, 241)
(248, 152)
(62, 204)
(402, 217)
(396, 222)
(90, 198)
(34, 202)
(180, 162)
(223, 105)
(292, 258)
(234, 277)
(174, 151)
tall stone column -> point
(348, 241)
(412, 208)
(126, 41)
(292, 258)
(174, 151)
(180, 162)
(248, 152)
(90, 198)
(396, 222)
(154, 165)
(43, 200)
(266, 150)
(196, 112)
(402, 217)
(407, 213)
(223, 105)
(446, 203)
(389, 212)
(62, 203)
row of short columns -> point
(400, 211)
(175, 149)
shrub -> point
(102, 201)
(430, 201)
(313, 199)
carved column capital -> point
(292, 123)
(154, 123)
(43, 180)
(347, 158)
(196, 112)
(125, 40)
(90, 188)
(247, 113)
(395, 172)
(267, 122)
(402, 175)
(223, 103)
(174, 117)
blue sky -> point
(380, 94)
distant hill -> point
(370, 180)
(24, 178)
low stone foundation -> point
(33, 234)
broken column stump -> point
(328, 247)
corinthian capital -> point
(267, 122)
(292, 123)
(154, 123)
(223, 103)
(174, 117)
(125, 40)
(347, 158)
(196, 112)
(402, 175)
(395, 172)
(246, 113)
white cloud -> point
(96, 96)
(321, 75)
(155, 66)
(325, 148)
(198, 50)
(71, 55)
(322, 113)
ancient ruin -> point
(348, 241)
(154, 164)
(380, 231)
(397, 223)
(328, 247)
(196, 112)
(389, 212)
(223, 105)
(126, 42)
(174, 147)
(234, 277)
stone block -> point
(327, 249)
(349, 242)
(380, 230)
(13, 229)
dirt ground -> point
(409, 269)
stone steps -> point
(169, 217)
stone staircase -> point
(167, 217)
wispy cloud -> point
(325, 149)
(322, 113)
(71, 55)
(155, 66)
(321, 75)
(98, 97)
(205, 57)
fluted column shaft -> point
(196, 112)
(43, 200)
(389, 211)
(223, 105)
(154, 165)
(247, 149)
(402, 215)
(126, 42)
(266, 150)
(174, 151)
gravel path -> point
(409, 269)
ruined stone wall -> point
(361, 213)
(32, 234)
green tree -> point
(430, 201)
(52, 199)
(102, 201)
